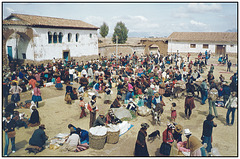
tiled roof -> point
(204, 36)
(32, 20)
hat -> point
(187, 132)
(101, 112)
(34, 107)
(144, 125)
(119, 96)
(131, 90)
(210, 117)
(152, 86)
(42, 126)
(189, 94)
(178, 128)
(170, 126)
(224, 83)
(130, 100)
(157, 94)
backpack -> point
(213, 94)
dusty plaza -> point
(117, 79)
(56, 115)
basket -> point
(113, 137)
(97, 142)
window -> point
(90, 35)
(205, 46)
(49, 37)
(24, 55)
(60, 37)
(55, 38)
(77, 36)
(232, 45)
(192, 45)
(69, 37)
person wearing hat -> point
(36, 97)
(204, 91)
(9, 128)
(107, 94)
(177, 135)
(208, 125)
(101, 120)
(39, 137)
(189, 105)
(194, 144)
(92, 108)
(167, 140)
(128, 96)
(141, 146)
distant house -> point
(42, 38)
(195, 42)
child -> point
(74, 94)
(173, 112)
(82, 106)
(68, 98)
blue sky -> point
(142, 19)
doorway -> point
(10, 56)
(66, 55)
(220, 49)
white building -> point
(196, 42)
(42, 38)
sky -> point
(143, 19)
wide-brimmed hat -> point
(224, 83)
(170, 126)
(187, 132)
(144, 125)
(210, 117)
(42, 126)
(157, 94)
(101, 112)
(189, 94)
(178, 128)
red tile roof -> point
(32, 20)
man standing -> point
(204, 91)
(229, 64)
(213, 94)
(208, 125)
(226, 92)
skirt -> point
(165, 149)
(15, 98)
(36, 98)
(59, 85)
(173, 114)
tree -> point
(104, 30)
(121, 31)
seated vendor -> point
(83, 134)
(116, 102)
(132, 106)
(100, 121)
(111, 118)
(39, 137)
(34, 119)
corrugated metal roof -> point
(204, 36)
(33, 20)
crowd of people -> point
(143, 78)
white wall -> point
(85, 45)
(184, 47)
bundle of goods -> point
(143, 111)
(121, 113)
(48, 84)
(181, 147)
(124, 127)
(97, 137)
(57, 141)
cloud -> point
(181, 15)
(202, 7)
(193, 22)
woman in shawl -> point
(141, 146)
(34, 119)
(167, 140)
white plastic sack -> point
(113, 128)
(98, 130)
(124, 127)
(122, 113)
(144, 111)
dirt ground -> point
(56, 115)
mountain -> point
(232, 30)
